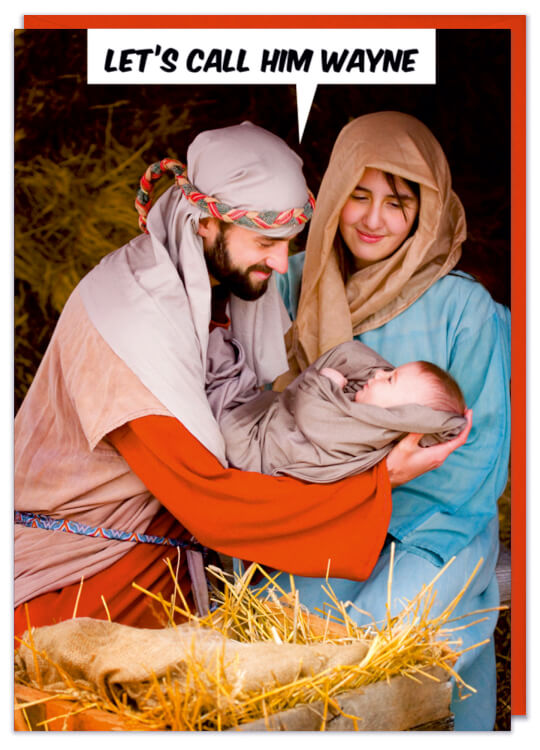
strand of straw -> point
(74, 615)
(106, 608)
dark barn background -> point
(80, 150)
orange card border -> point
(517, 26)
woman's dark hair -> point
(413, 186)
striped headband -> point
(212, 206)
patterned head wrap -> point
(257, 220)
(246, 192)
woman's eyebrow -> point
(401, 196)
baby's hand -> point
(338, 378)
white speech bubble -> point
(303, 57)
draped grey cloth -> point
(312, 430)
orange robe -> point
(279, 522)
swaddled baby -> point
(339, 417)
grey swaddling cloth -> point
(313, 430)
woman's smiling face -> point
(373, 223)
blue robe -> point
(450, 511)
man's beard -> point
(219, 264)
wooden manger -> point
(397, 705)
(403, 680)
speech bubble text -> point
(305, 58)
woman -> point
(386, 234)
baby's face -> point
(404, 385)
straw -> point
(411, 643)
(76, 607)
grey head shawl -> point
(151, 299)
(313, 430)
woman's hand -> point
(408, 459)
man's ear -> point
(205, 228)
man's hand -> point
(408, 459)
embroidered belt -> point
(196, 554)
(40, 521)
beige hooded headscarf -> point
(331, 310)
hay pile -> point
(211, 693)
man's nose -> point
(278, 258)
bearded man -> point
(119, 461)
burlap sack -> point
(111, 658)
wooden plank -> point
(397, 705)
(60, 714)
(441, 725)
(504, 575)
(400, 704)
